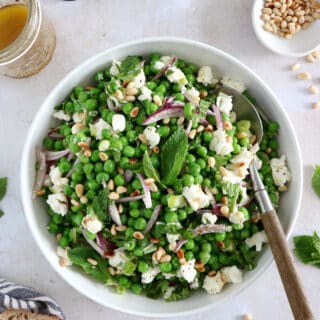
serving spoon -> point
(272, 226)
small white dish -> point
(301, 44)
(200, 54)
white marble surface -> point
(87, 27)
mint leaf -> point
(130, 67)
(129, 268)
(220, 160)
(79, 257)
(3, 187)
(149, 170)
(1, 213)
(100, 205)
(249, 97)
(172, 156)
(230, 189)
(307, 249)
(156, 289)
(179, 293)
(315, 182)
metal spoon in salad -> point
(272, 226)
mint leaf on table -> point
(315, 181)
(173, 155)
(149, 170)
(3, 187)
(100, 205)
(130, 67)
(79, 256)
(1, 213)
(307, 249)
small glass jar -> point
(34, 47)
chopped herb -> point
(180, 292)
(316, 180)
(307, 249)
(3, 187)
(100, 205)
(130, 67)
(149, 169)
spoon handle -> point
(290, 280)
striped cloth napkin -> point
(16, 297)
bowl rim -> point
(255, 7)
(25, 192)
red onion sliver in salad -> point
(92, 244)
(180, 243)
(128, 174)
(41, 171)
(114, 213)
(105, 244)
(210, 228)
(165, 68)
(154, 217)
(188, 129)
(167, 111)
(76, 162)
(216, 209)
(128, 199)
(56, 155)
(147, 195)
(217, 114)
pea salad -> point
(145, 175)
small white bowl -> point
(200, 54)
(301, 44)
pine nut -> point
(134, 112)
(113, 230)
(131, 91)
(118, 94)
(75, 202)
(121, 189)
(192, 134)
(165, 258)
(316, 54)
(92, 261)
(138, 235)
(110, 185)
(157, 100)
(304, 76)
(313, 89)
(211, 162)
(84, 200)
(114, 196)
(295, 67)
(103, 156)
(310, 58)
(83, 145)
(166, 120)
(224, 210)
(227, 125)
(149, 181)
(79, 190)
(241, 135)
(130, 99)
(212, 273)
(200, 129)
(247, 317)
(316, 105)
(283, 189)
(180, 121)
(224, 200)
(87, 153)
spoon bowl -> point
(301, 44)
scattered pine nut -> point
(316, 54)
(310, 58)
(114, 196)
(304, 76)
(316, 105)
(134, 112)
(295, 67)
(247, 317)
(313, 89)
(92, 261)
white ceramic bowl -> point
(200, 54)
(301, 44)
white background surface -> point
(85, 28)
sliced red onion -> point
(210, 113)
(216, 209)
(70, 156)
(147, 195)
(56, 155)
(56, 129)
(128, 174)
(180, 243)
(217, 114)
(128, 199)
(114, 213)
(76, 162)
(204, 121)
(41, 171)
(167, 111)
(154, 217)
(92, 244)
(105, 244)
(188, 129)
(210, 228)
(170, 63)
(56, 135)
(203, 211)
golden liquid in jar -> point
(12, 21)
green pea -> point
(135, 213)
(163, 131)
(128, 151)
(204, 257)
(130, 244)
(88, 168)
(198, 179)
(273, 127)
(116, 145)
(206, 247)
(206, 182)
(175, 87)
(143, 266)
(63, 242)
(202, 151)
(245, 212)
(143, 147)
(245, 142)
(220, 236)
(190, 158)
(189, 245)
(93, 185)
(170, 217)
(48, 143)
(119, 180)
(140, 223)
(151, 85)
(76, 177)
(64, 166)
(273, 144)
(109, 166)
(98, 167)
(148, 213)
(95, 156)
(124, 162)
(236, 148)
(53, 228)
(91, 104)
(136, 288)
(245, 234)
(127, 108)
(237, 226)
(202, 163)
(58, 145)
(90, 194)
(189, 255)
(124, 282)
(207, 136)
(243, 125)
(165, 266)
(138, 252)
(102, 177)
(189, 110)
(136, 184)
(188, 180)
(179, 97)
(129, 232)
(134, 204)
(182, 214)
(268, 180)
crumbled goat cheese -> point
(158, 65)
(205, 75)
(256, 240)
(140, 80)
(118, 122)
(61, 115)
(188, 271)
(148, 277)
(114, 69)
(192, 94)
(168, 276)
(58, 202)
(104, 145)
(79, 117)
(220, 144)
(208, 218)
(173, 237)
(244, 195)
(118, 259)
(232, 274)
(234, 84)
(213, 285)
(145, 94)
(237, 217)
(63, 255)
(224, 103)
(177, 76)
(92, 224)
(196, 198)
(58, 182)
(153, 137)
(97, 128)
(280, 172)
(194, 284)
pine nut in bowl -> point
(222, 64)
(285, 28)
